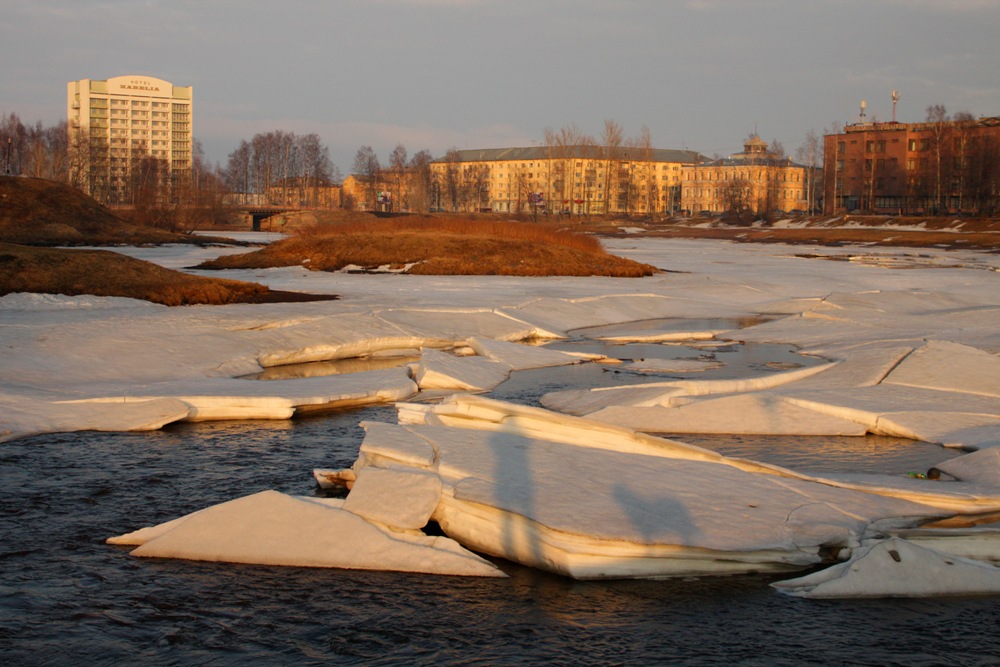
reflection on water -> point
(826, 454)
(335, 367)
(669, 325)
(736, 361)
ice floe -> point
(897, 568)
(272, 528)
(574, 497)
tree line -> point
(404, 183)
(281, 168)
(33, 150)
(961, 167)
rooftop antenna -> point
(863, 105)
(895, 98)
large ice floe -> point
(582, 486)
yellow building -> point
(115, 125)
(754, 182)
(578, 180)
(359, 193)
(299, 192)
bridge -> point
(258, 214)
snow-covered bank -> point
(910, 352)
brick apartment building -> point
(948, 166)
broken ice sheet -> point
(897, 568)
(614, 509)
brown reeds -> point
(433, 246)
(106, 273)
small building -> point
(357, 193)
(754, 182)
(302, 192)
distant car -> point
(705, 214)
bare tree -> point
(832, 174)
(567, 150)
(612, 138)
(809, 154)
(641, 178)
(286, 168)
(202, 195)
(452, 178)
(962, 147)
(238, 176)
(776, 149)
(421, 185)
(367, 166)
(737, 196)
(397, 167)
(13, 143)
(937, 118)
(315, 168)
(475, 187)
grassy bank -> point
(106, 273)
(35, 211)
(431, 246)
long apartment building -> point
(947, 166)
(116, 123)
(580, 180)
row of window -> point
(913, 145)
(758, 175)
(783, 193)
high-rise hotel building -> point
(114, 125)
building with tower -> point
(754, 182)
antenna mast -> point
(864, 104)
(895, 98)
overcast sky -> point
(432, 74)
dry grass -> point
(443, 247)
(106, 273)
(912, 232)
(34, 211)
(838, 236)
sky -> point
(702, 75)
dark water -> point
(68, 598)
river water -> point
(66, 597)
